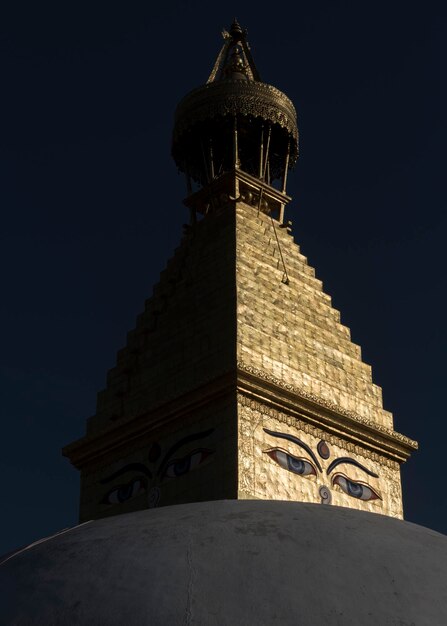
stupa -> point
(240, 397)
(239, 380)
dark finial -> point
(264, 133)
(236, 31)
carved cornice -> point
(268, 394)
(283, 396)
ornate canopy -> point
(235, 105)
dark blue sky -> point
(91, 208)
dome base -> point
(231, 562)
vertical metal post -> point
(260, 199)
(267, 152)
(211, 160)
(261, 153)
(286, 167)
(281, 213)
(236, 161)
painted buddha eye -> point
(125, 492)
(179, 467)
(291, 463)
(354, 489)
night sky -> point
(92, 208)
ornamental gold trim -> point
(315, 431)
(351, 416)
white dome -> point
(231, 562)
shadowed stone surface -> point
(231, 562)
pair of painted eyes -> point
(355, 490)
(305, 468)
(291, 463)
(174, 469)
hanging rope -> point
(285, 276)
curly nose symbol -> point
(325, 495)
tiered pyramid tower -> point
(238, 381)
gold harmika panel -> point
(321, 468)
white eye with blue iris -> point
(355, 489)
(287, 461)
(179, 467)
(125, 492)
